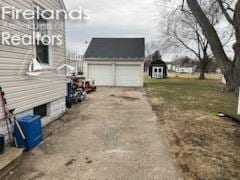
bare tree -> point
(231, 11)
(183, 31)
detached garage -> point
(116, 61)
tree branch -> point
(211, 34)
(185, 45)
(225, 13)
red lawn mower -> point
(88, 86)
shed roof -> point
(122, 48)
(159, 62)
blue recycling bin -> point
(2, 144)
(68, 97)
(32, 129)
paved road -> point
(114, 134)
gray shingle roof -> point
(116, 48)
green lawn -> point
(191, 94)
(204, 145)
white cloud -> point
(114, 18)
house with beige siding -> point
(45, 93)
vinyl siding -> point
(23, 92)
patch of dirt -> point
(128, 98)
(237, 133)
(88, 161)
(205, 146)
(116, 104)
(184, 168)
(70, 162)
(37, 176)
(85, 117)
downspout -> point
(65, 46)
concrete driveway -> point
(114, 134)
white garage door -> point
(102, 74)
(128, 75)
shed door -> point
(102, 74)
(157, 72)
(128, 75)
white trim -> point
(50, 48)
(49, 65)
(116, 62)
(114, 59)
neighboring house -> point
(115, 61)
(43, 94)
(171, 67)
(188, 70)
(158, 70)
(218, 70)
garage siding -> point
(24, 92)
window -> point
(42, 53)
(42, 47)
(160, 70)
(155, 70)
(41, 110)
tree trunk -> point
(231, 70)
(233, 79)
(202, 74)
(203, 66)
(202, 70)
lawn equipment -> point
(88, 86)
(77, 95)
(77, 92)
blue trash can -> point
(32, 129)
(68, 97)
